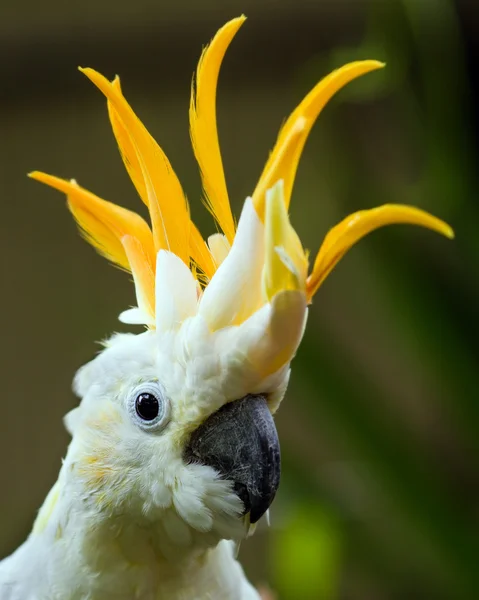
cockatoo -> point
(174, 454)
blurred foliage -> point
(306, 554)
(435, 544)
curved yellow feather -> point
(103, 223)
(200, 252)
(344, 235)
(286, 263)
(126, 239)
(165, 199)
(126, 147)
(283, 160)
(143, 274)
(203, 129)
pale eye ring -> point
(149, 407)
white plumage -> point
(128, 517)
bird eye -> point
(149, 407)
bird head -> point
(175, 423)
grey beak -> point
(240, 441)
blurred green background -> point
(379, 430)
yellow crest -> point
(129, 242)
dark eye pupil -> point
(147, 406)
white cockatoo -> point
(174, 454)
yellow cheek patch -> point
(98, 465)
(95, 477)
(103, 420)
(99, 474)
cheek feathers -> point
(100, 464)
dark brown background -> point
(379, 429)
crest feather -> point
(200, 253)
(103, 223)
(127, 148)
(354, 227)
(257, 274)
(203, 129)
(284, 158)
(151, 172)
(143, 271)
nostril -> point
(242, 492)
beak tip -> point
(260, 506)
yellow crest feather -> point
(203, 130)
(200, 252)
(283, 160)
(126, 239)
(127, 148)
(354, 227)
(103, 223)
(143, 271)
(164, 196)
